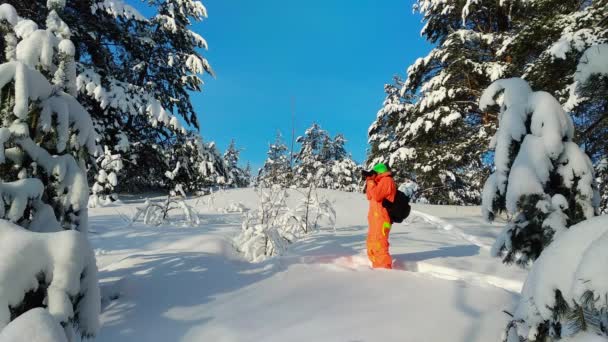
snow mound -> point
(36, 325)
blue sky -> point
(332, 56)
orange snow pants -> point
(377, 237)
(378, 188)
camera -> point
(365, 174)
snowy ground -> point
(187, 283)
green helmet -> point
(380, 168)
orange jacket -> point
(380, 187)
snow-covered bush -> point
(157, 213)
(542, 178)
(269, 229)
(46, 137)
(260, 236)
(564, 296)
(314, 211)
(234, 207)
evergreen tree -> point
(382, 137)
(135, 76)
(277, 168)
(324, 163)
(338, 148)
(247, 174)
(210, 164)
(236, 175)
(311, 161)
(542, 178)
(46, 138)
(478, 42)
(440, 135)
(548, 42)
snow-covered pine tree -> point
(344, 175)
(549, 40)
(311, 162)
(236, 175)
(135, 75)
(323, 162)
(211, 165)
(542, 179)
(382, 132)
(440, 137)
(47, 136)
(343, 172)
(247, 174)
(338, 147)
(277, 167)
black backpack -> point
(398, 210)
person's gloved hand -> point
(367, 174)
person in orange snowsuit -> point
(379, 186)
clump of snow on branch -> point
(126, 97)
(117, 8)
(592, 63)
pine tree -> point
(247, 174)
(211, 169)
(548, 42)
(277, 168)
(311, 160)
(236, 175)
(323, 162)
(437, 139)
(382, 134)
(47, 137)
(563, 297)
(135, 76)
(542, 178)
